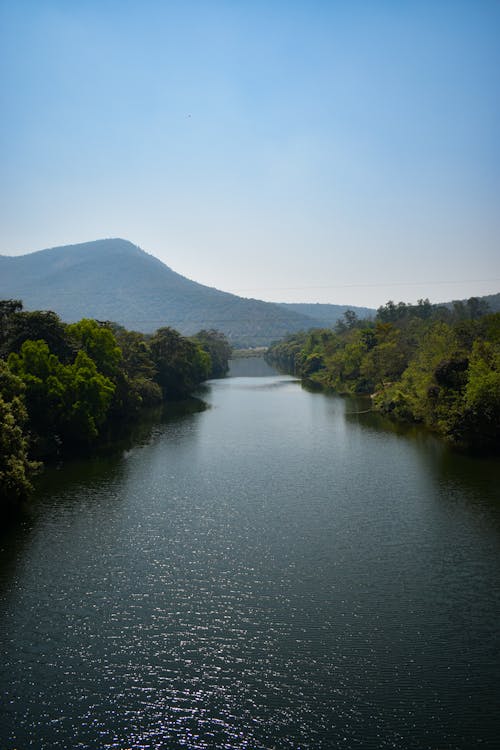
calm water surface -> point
(274, 571)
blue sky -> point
(344, 152)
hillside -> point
(326, 315)
(115, 280)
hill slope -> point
(115, 280)
(326, 315)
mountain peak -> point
(113, 279)
(104, 246)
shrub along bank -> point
(422, 363)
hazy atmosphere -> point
(290, 151)
(249, 374)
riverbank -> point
(442, 374)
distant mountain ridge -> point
(112, 279)
(326, 314)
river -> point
(272, 571)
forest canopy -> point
(64, 386)
(424, 363)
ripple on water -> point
(258, 575)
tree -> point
(390, 312)
(67, 403)
(471, 309)
(136, 354)
(8, 308)
(19, 326)
(347, 322)
(423, 309)
(181, 364)
(216, 345)
(480, 421)
(313, 363)
(385, 358)
(15, 467)
(98, 341)
(136, 386)
(85, 398)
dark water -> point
(272, 572)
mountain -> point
(326, 315)
(114, 280)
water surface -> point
(275, 571)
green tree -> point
(21, 326)
(286, 355)
(8, 309)
(313, 363)
(139, 372)
(347, 322)
(136, 354)
(66, 403)
(385, 358)
(217, 346)
(98, 341)
(85, 396)
(420, 395)
(15, 466)
(480, 421)
(180, 364)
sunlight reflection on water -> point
(263, 574)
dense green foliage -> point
(423, 363)
(180, 363)
(63, 387)
(216, 345)
(15, 467)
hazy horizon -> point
(241, 293)
(290, 152)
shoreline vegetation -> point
(65, 388)
(422, 364)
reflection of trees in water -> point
(66, 483)
(475, 478)
(250, 367)
(105, 459)
(458, 474)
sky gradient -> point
(343, 152)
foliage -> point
(15, 467)
(419, 362)
(66, 403)
(180, 363)
(98, 341)
(69, 384)
(136, 387)
(482, 394)
(20, 326)
(217, 346)
(286, 354)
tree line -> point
(436, 365)
(64, 386)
